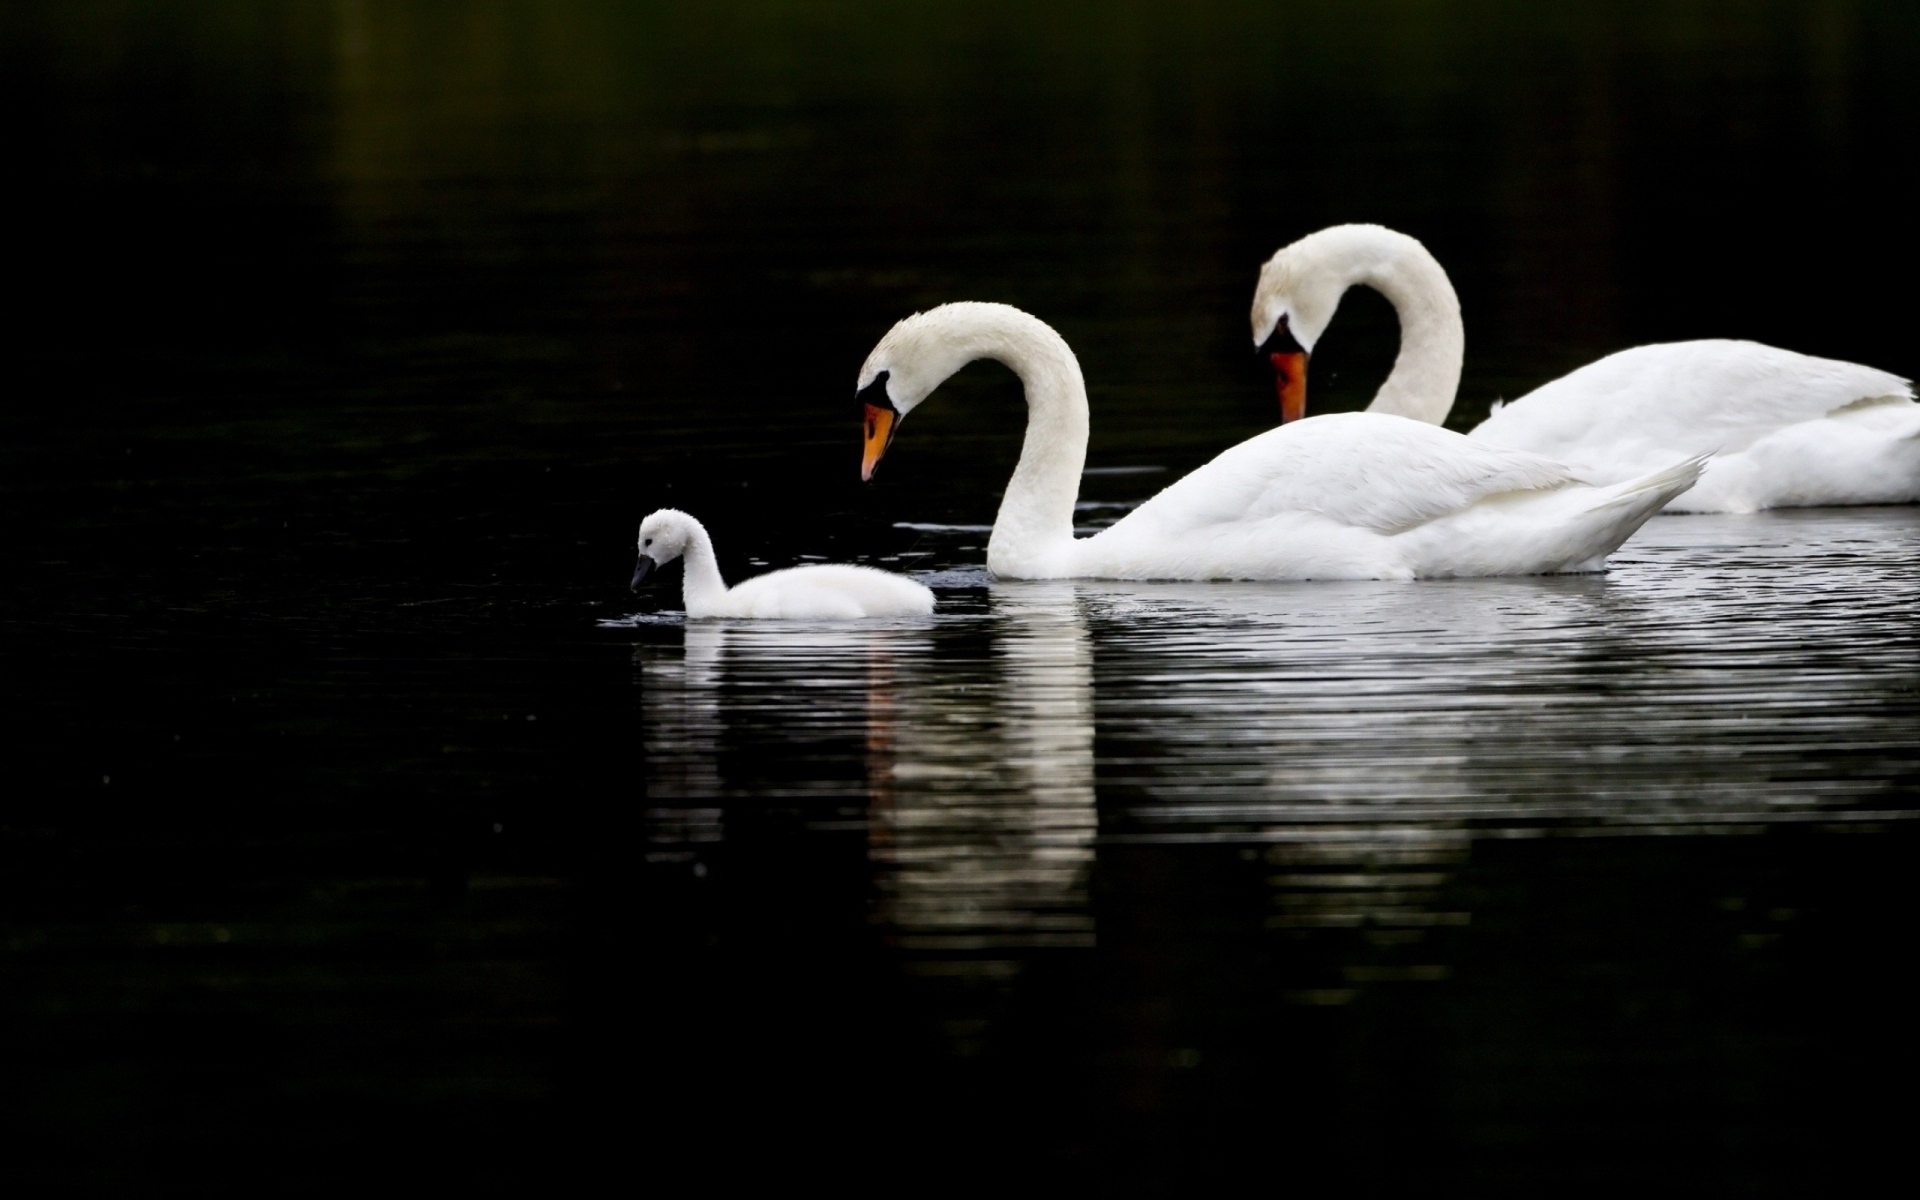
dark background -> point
(350, 340)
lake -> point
(364, 821)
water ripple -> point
(1728, 675)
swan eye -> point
(648, 542)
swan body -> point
(1785, 430)
(826, 592)
(1347, 496)
(1781, 429)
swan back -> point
(830, 591)
(1713, 396)
(1360, 470)
(1365, 495)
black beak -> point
(641, 570)
(875, 393)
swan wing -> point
(1651, 403)
(1372, 471)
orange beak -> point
(881, 423)
(1290, 380)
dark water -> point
(360, 825)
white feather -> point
(1350, 496)
(824, 592)
(1781, 429)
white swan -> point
(1783, 429)
(1351, 496)
(825, 592)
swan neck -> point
(1426, 372)
(1033, 533)
(702, 590)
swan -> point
(1345, 496)
(1781, 429)
(824, 592)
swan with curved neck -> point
(1354, 496)
(823, 592)
(1781, 429)
(1300, 289)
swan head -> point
(1296, 293)
(1300, 289)
(923, 351)
(909, 362)
(1293, 304)
(663, 537)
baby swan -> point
(798, 593)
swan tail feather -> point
(1620, 510)
(1653, 491)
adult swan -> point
(1347, 496)
(1783, 429)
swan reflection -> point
(1360, 738)
(983, 797)
(977, 788)
(1350, 741)
(681, 729)
(1650, 700)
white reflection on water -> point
(982, 797)
(1730, 674)
(683, 724)
(975, 759)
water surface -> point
(1732, 675)
(361, 816)
(1187, 857)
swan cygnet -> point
(824, 592)
(1781, 430)
(1348, 496)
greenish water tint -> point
(362, 817)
